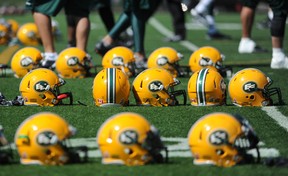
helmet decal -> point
(161, 61)
(156, 86)
(250, 87)
(41, 86)
(72, 61)
(111, 86)
(117, 61)
(201, 86)
(218, 137)
(47, 138)
(26, 61)
(128, 137)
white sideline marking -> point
(225, 26)
(273, 112)
(167, 33)
(177, 147)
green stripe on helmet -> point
(200, 86)
(111, 76)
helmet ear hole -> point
(48, 152)
(128, 151)
(219, 152)
(252, 97)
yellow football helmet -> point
(14, 26)
(73, 63)
(222, 139)
(155, 87)
(167, 58)
(206, 87)
(28, 34)
(4, 34)
(120, 57)
(206, 57)
(250, 87)
(24, 60)
(40, 87)
(128, 138)
(41, 139)
(111, 87)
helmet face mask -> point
(250, 87)
(222, 139)
(128, 138)
(41, 139)
(40, 87)
(155, 87)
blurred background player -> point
(178, 20)
(42, 13)
(277, 30)
(106, 14)
(204, 13)
(136, 14)
(266, 23)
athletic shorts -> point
(53, 7)
(279, 7)
(79, 8)
(101, 3)
(47, 7)
(250, 3)
(135, 5)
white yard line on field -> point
(167, 33)
(224, 26)
(273, 112)
(177, 147)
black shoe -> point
(50, 64)
(101, 49)
(218, 36)
(175, 38)
(259, 49)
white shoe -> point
(277, 63)
(49, 60)
(199, 17)
(246, 46)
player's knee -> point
(278, 26)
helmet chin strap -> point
(65, 95)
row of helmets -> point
(153, 86)
(74, 63)
(128, 138)
(26, 34)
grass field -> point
(173, 122)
